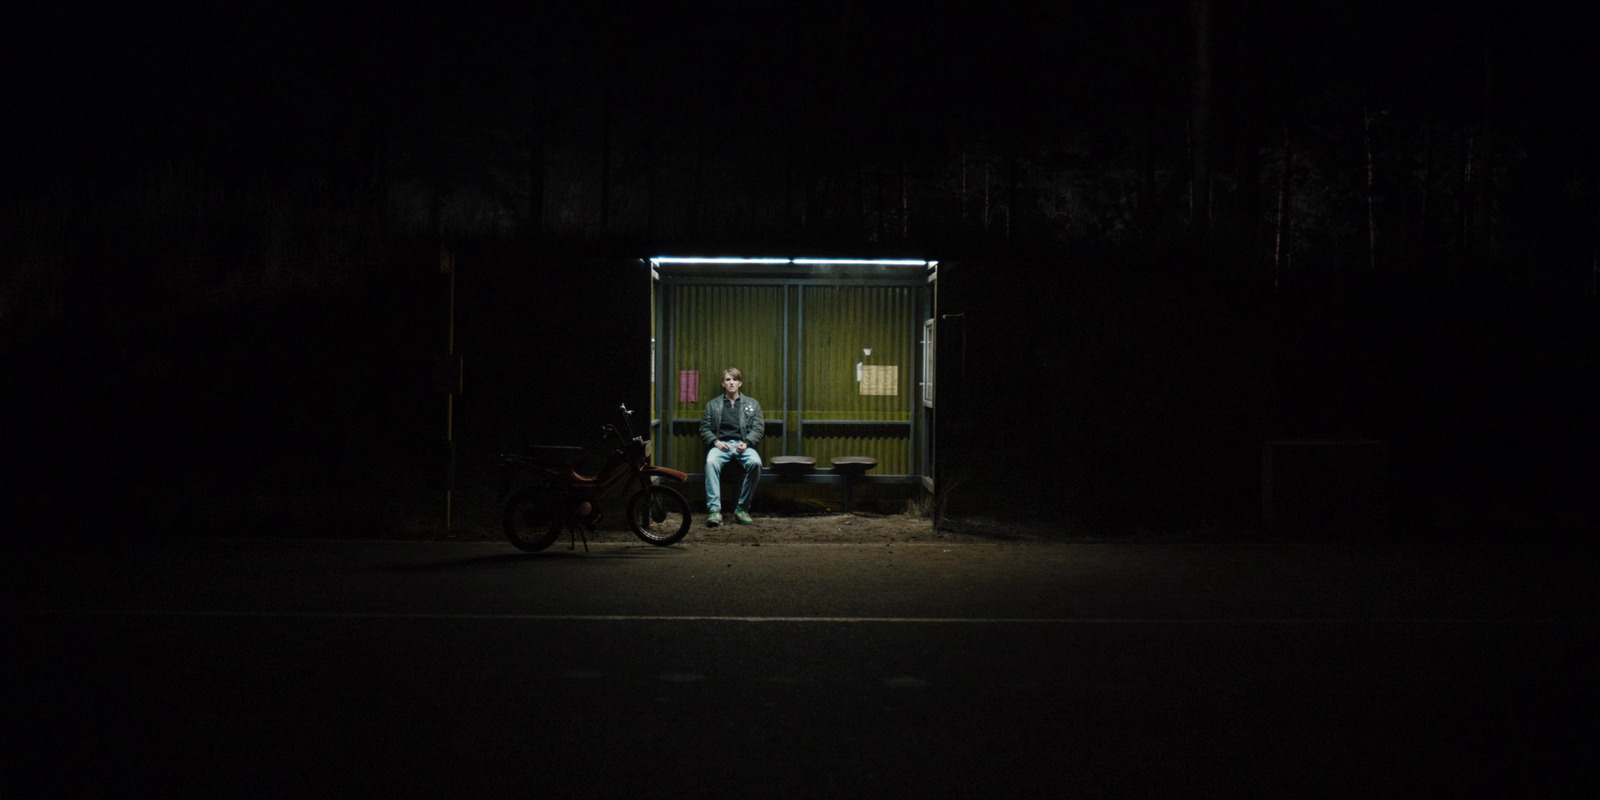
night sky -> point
(360, 94)
(389, 97)
(275, 180)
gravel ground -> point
(476, 516)
(833, 528)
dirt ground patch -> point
(1016, 513)
(855, 528)
(836, 528)
(477, 517)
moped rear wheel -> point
(534, 517)
(659, 515)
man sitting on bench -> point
(731, 427)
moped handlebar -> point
(627, 417)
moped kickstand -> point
(573, 531)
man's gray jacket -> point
(751, 424)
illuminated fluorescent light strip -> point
(886, 262)
(716, 260)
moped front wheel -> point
(659, 515)
(534, 517)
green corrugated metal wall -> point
(817, 409)
(716, 327)
(838, 323)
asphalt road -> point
(440, 669)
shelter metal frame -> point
(667, 273)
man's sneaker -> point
(714, 519)
(743, 516)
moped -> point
(557, 496)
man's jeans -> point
(715, 458)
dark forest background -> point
(1174, 230)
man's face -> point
(730, 384)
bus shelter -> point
(840, 353)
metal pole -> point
(447, 264)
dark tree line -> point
(256, 147)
